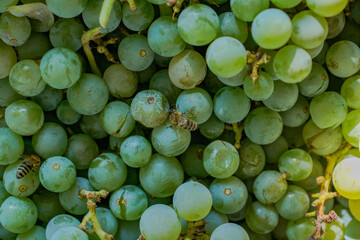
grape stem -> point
(131, 3)
(105, 12)
(195, 231)
(238, 129)
(92, 199)
(256, 59)
(88, 36)
(101, 48)
(324, 193)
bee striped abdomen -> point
(23, 170)
(190, 125)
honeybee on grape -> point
(181, 119)
(30, 163)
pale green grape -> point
(336, 25)
(315, 83)
(326, 8)
(298, 114)
(247, 10)
(296, 164)
(261, 218)
(309, 184)
(346, 179)
(283, 97)
(66, 8)
(236, 80)
(139, 19)
(292, 64)
(67, 33)
(350, 90)
(228, 231)
(121, 82)
(351, 128)
(285, 3)
(313, 52)
(261, 88)
(14, 31)
(7, 58)
(11, 146)
(266, 24)
(232, 27)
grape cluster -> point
(179, 120)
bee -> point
(29, 164)
(180, 119)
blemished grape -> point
(296, 164)
(261, 218)
(14, 31)
(350, 128)
(60, 221)
(192, 201)
(267, 188)
(160, 222)
(229, 231)
(345, 178)
(17, 214)
(198, 24)
(266, 23)
(248, 10)
(221, 159)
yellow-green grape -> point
(355, 208)
(346, 178)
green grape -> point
(67, 33)
(160, 222)
(35, 47)
(283, 97)
(150, 108)
(267, 188)
(292, 64)
(18, 215)
(135, 53)
(128, 203)
(221, 159)
(91, 125)
(274, 150)
(7, 93)
(213, 220)
(320, 58)
(66, 8)
(24, 117)
(4, 194)
(247, 10)
(322, 141)
(296, 164)
(147, 74)
(61, 68)
(66, 114)
(127, 230)
(70, 199)
(14, 31)
(261, 218)
(22, 187)
(305, 36)
(326, 8)
(161, 82)
(294, 203)
(294, 136)
(334, 230)
(315, 83)
(121, 82)
(252, 161)
(310, 182)
(25, 78)
(47, 204)
(164, 38)
(58, 222)
(192, 201)
(57, 174)
(116, 119)
(212, 128)
(229, 231)
(187, 69)
(161, 176)
(224, 108)
(232, 27)
(11, 146)
(7, 58)
(49, 98)
(349, 91)
(261, 88)
(195, 104)
(170, 140)
(297, 115)
(266, 23)
(37, 232)
(343, 213)
(192, 161)
(7, 3)
(285, 3)
(161, 61)
(226, 56)
(300, 229)
(263, 126)
(343, 58)
(350, 128)
(240, 215)
(328, 110)
(313, 52)
(198, 24)
(345, 178)
(336, 24)
(69, 233)
(6, 235)
(229, 195)
(236, 80)
(107, 171)
(81, 150)
(136, 151)
(352, 230)
(89, 95)
(141, 18)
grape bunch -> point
(179, 119)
